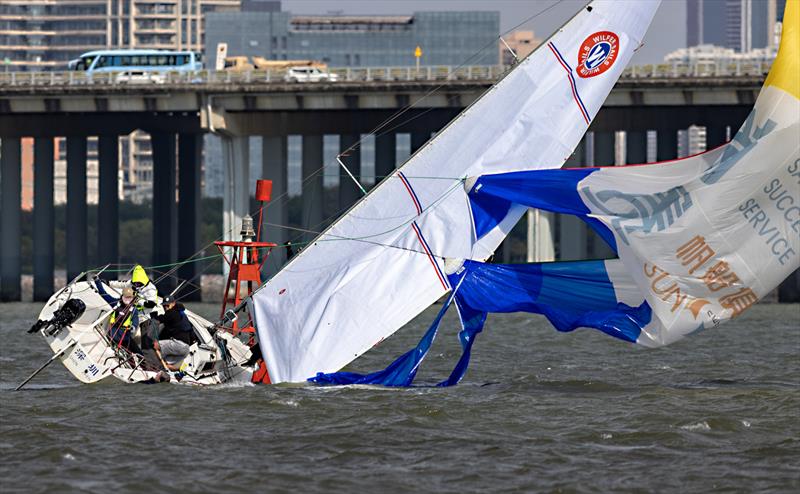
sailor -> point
(145, 289)
(123, 321)
(177, 335)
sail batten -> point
(339, 297)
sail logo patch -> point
(597, 53)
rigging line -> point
(405, 109)
(437, 88)
(366, 238)
(391, 118)
(472, 104)
(462, 64)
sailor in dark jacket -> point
(176, 337)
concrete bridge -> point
(178, 112)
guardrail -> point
(366, 74)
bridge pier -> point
(385, 155)
(572, 231)
(190, 148)
(716, 135)
(418, 139)
(274, 166)
(666, 144)
(604, 149)
(236, 194)
(77, 211)
(313, 199)
(603, 154)
(108, 202)
(635, 147)
(164, 210)
(10, 219)
(43, 219)
(349, 192)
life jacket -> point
(120, 333)
(127, 323)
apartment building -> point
(40, 35)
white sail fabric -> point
(382, 263)
(705, 239)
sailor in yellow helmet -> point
(145, 289)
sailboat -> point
(75, 323)
(392, 254)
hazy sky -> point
(667, 32)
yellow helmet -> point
(139, 276)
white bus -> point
(146, 65)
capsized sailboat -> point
(699, 240)
(390, 256)
(77, 325)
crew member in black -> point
(177, 335)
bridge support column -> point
(236, 194)
(385, 155)
(313, 199)
(572, 232)
(716, 135)
(275, 167)
(164, 210)
(636, 147)
(604, 149)
(108, 210)
(11, 219)
(602, 154)
(189, 151)
(77, 230)
(349, 192)
(43, 219)
(667, 144)
(418, 139)
(541, 247)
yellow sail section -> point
(785, 72)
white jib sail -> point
(382, 263)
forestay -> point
(382, 263)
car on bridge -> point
(308, 74)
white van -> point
(308, 74)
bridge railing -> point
(698, 69)
(359, 74)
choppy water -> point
(538, 411)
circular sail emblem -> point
(597, 53)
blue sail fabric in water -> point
(401, 372)
(569, 294)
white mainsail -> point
(382, 263)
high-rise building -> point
(38, 35)
(741, 25)
(46, 34)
